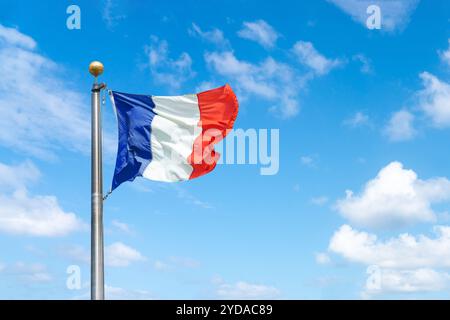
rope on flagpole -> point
(104, 93)
(107, 195)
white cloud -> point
(189, 198)
(22, 214)
(41, 113)
(395, 14)
(174, 263)
(161, 266)
(185, 262)
(33, 272)
(403, 252)
(165, 70)
(310, 57)
(399, 265)
(181, 192)
(396, 197)
(225, 63)
(259, 31)
(402, 264)
(18, 176)
(408, 281)
(366, 64)
(75, 253)
(205, 86)
(15, 38)
(270, 80)
(245, 290)
(142, 185)
(359, 119)
(121, 255)
(435, 100)
(109, 15)
(117, 293)
(121, 226)
(319, 201)
(322, 258)
(400, 126)
(308, 160)
(214, 36)
(445, 55)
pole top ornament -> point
(96, 68)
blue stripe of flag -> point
(135, 114)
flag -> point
(171, 138)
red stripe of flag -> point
(218, 111)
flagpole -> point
(97, 265)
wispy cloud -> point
(322, 258)
(214, 36)
(259, 31)
(14, 37)
(308, 160)
(400, 126)
(18, 176)
(121, 255)
(271, 80)
(445, 55)
(110, 15)
(165, 70)
(395, 14)
(29, 272)
(24, 214)
(434, 100)
(319, 201)
(366, 63)
(408, 281)
(181, 192)
(310, 57)
(121, 226)
(206, 85)
(359, 119)
(41, 114)
(191, 199)
(174, 263)
(117, 293)
(245, 290)
(75, 253)
(277, 82)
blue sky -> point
(363, 116)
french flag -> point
(171, 138)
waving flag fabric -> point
(171, 138)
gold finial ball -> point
(96, 68)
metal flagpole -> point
(97, 274)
